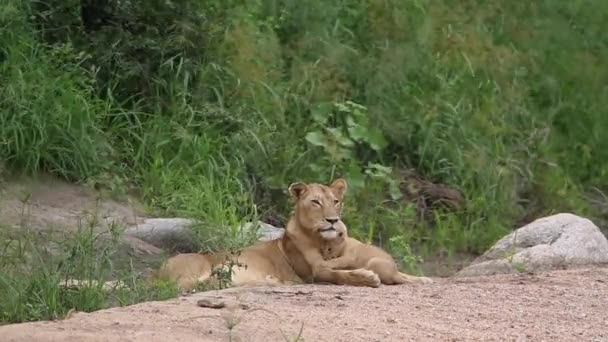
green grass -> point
(35, 269)
(210, 109)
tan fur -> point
(349, 253)
(262, 264)
(313, 227)
(340, 252)
(297, 257)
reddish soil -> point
(553, 306)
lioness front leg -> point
(390, 275)
(322, 273)
(343, 262)
(357, 277)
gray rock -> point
(173, 234)
(265, 231)
(555, 242)
(176, 234)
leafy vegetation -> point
(211, 108)
(37, 281)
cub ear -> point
(296, 190)
(339, 187)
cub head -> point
(318, 208)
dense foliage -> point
(211, 108)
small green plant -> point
(224, 271)
(401, 247)
(519, 267)
(221, 274)
(342, 129)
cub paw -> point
(424, 280)
(366, 278)
(271, 280)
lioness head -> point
(318, 207)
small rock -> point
(207, 303)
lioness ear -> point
(296, 190)
(339, 187)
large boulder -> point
(263, 231)
(166, 233)
(176, 234)
(555, 242)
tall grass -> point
(49, 113)
(36, 277)
(206, 106)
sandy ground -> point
(556, 306)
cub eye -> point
(314, 201)
(336, 202)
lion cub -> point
(349, 253)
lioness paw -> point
(367, 278)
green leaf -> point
(320, 113)
(358, 132)
(394, 190)
(316, 138)
(316, 169)
(340, 138)
(376, 139)
(341, 107)
(338, 153)
(356, 106)
(356, 178)
(381, 168)
(350, 122)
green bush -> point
(212, 108)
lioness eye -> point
(336, 202)
(316, 202)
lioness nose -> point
(332, 220)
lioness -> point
(318, 230)
(279, 261)
(337, 250)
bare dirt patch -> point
(45, 203)
(556, 306)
